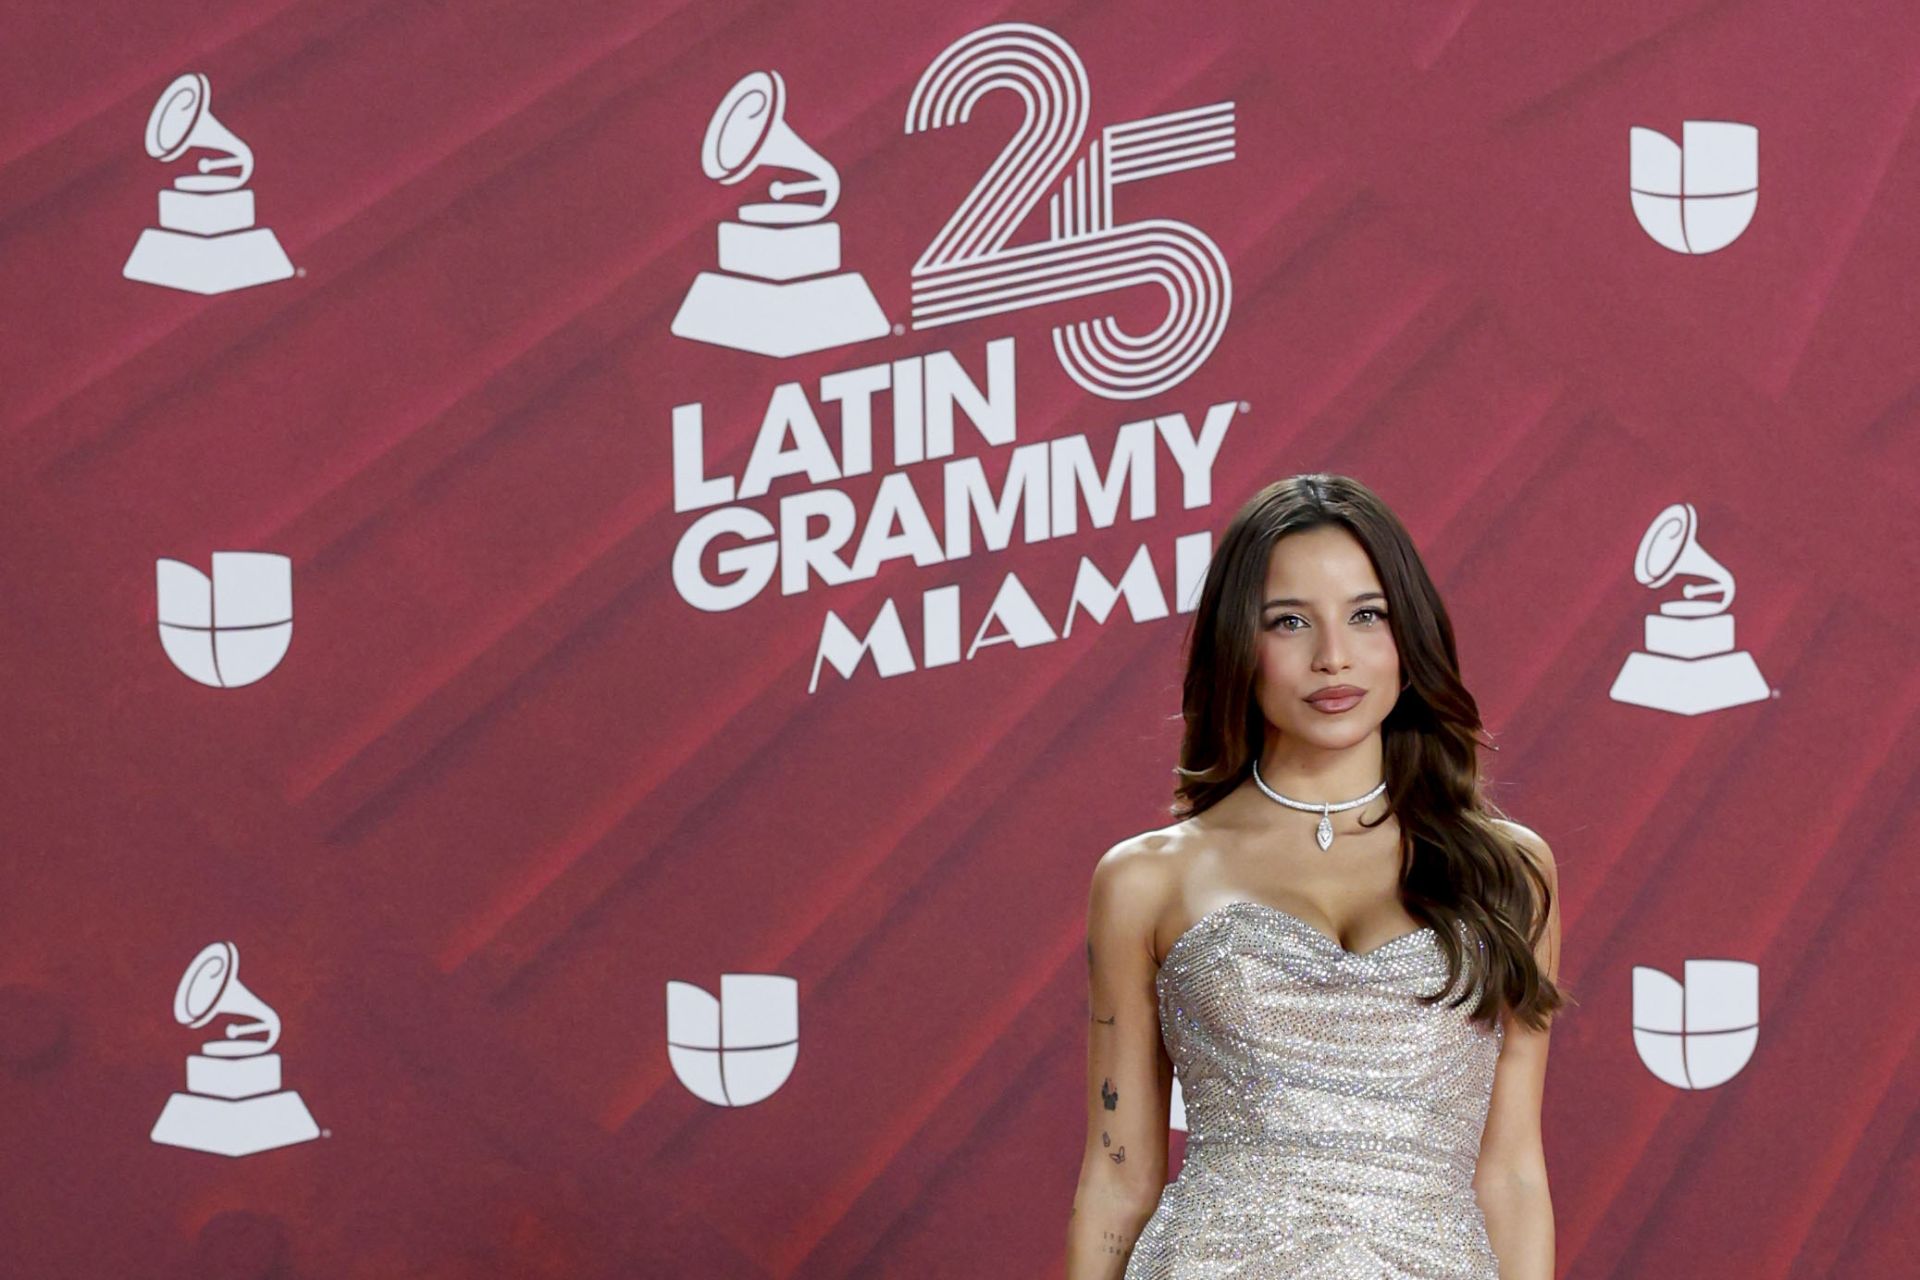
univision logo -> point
(1699, 1033)
(233, 628)
(739, 1049)
(1700, 195)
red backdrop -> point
(507, 783)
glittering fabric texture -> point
(1333, 1121)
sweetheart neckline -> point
(1284, 914)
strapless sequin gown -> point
(1333, 1121)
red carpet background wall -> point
(610, 677)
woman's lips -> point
(1335, 705)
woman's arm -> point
(1510, 1179)
(1129, 1079)
(1519, 1218)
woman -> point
(1347, 958)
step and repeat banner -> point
(585, 584)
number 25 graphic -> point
(969, 272)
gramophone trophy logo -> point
(779, 290)
(230, 629)
(206, 241)
(234, 1105)
(1700, 195)
(1689, 664)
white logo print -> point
(231, 629)
(206, 241)
(739, 1049)
(779, 290)
(1702, 1034)
(1690, 665)
(969, 270)
(1699, 196)
(234, 1105)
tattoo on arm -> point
(1109, 1095)
(1114, 1242)
(1106, 1021)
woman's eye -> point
(1376, 616)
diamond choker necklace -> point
(1324, 832)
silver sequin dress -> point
(1333, 1121)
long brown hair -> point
(1457, 864)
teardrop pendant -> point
(1324, 832)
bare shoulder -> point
(1140, 862)
(1133, 880)
(1532, 842)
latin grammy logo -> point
(973, 268)
(779, 290)
(234, 1105)
(1689, 664)
(206, 241)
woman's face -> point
(1323, 623)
